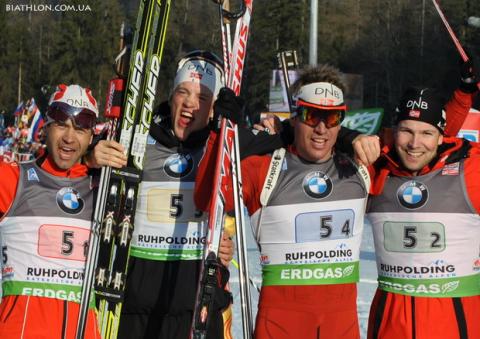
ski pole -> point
(252, 282)
(225, 17)
(225, 156)
(235, 79)
(455, 40)
(226, 41)
(286, 59)
(224, 5)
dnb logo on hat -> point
(69, 200)
(317, 185)
(178, 165)
(412, 194)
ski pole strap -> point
(272, 176)
(365, 176)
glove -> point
(229, 106)
(222, 297)
(468, 83)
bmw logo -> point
(178, 165)
(317, 185)
(412, 194)
(69, 200)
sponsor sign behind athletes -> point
(367, 120)
(471, 127)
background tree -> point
(392, 44)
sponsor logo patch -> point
(69, 200)
(412, 194)
(32, 175)
(476, 265)
(178, 165)
(317, 185)
(150, 140)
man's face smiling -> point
(67, 143)
(314, 144)
(191, 106)
(416, 143)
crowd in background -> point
(21, 134)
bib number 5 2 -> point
(410, 238)
(418, 237)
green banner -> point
(437, 288)
(367, 120)
(311, 274)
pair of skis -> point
(228, 168)
(113, 221)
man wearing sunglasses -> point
(46, 208)
(307, 206)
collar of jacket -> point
(46, 163)
(451, 150)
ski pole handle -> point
(232, 15)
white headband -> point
(200, 71)
(321, 94)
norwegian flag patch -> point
(414, 113)
(451, 169)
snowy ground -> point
(366, 288)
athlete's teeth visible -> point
(414, 154)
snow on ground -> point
(366, 287)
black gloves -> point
(222, 298)
(229, 106)
(469, 83)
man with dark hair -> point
(46, 207)
(425, 215)
(307, 205)
(169, 235)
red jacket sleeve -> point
(10, 173)
(254, 170)
(457, 109)
(472, 176)
(254, 173)
(204, 182)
